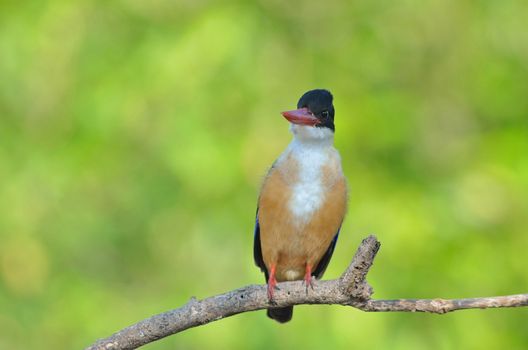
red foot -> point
(272, 283)
(308, 277)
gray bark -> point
(351, 289)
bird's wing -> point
(257, 249)
(321, 267)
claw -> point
(272, 283)
(308, 280)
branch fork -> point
(351, 289)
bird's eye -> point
(324, 114)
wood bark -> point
(351, 289)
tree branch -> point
(442, 306)
(350, 289)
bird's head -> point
(314, 116)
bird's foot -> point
(308, 280)
(272, 283)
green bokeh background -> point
(134, 136)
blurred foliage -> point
(134, 136)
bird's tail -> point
(282, 314)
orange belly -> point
(288, 242)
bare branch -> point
(353, 281)
(442, 306)
(350, 289)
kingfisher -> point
(302, 201)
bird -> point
(302, 201)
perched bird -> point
(302, 201)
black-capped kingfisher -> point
(302, 201)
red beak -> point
(301, 116)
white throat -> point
(312, 135)
(311, 148)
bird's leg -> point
(272, 282)
(308, 277)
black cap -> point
(319, 102)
